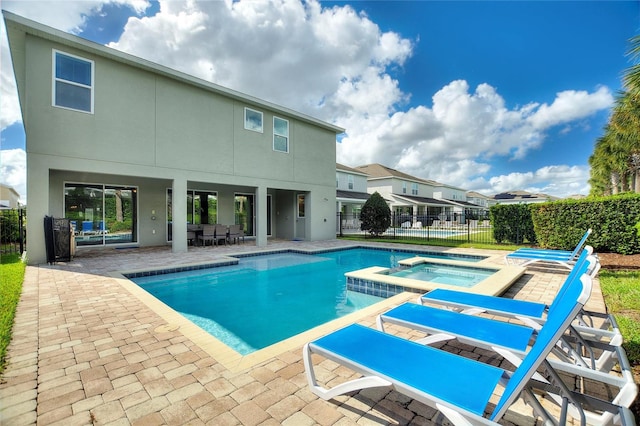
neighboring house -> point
(463, 207)
(482, 202)
(351, 194)
(132, 152)
(9, 197)
(521, 197)
(410, 198)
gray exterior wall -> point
(155, 128)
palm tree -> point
(615, 163)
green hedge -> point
(512, 223)
(615, 222)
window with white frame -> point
(414, 189)
(350, 181)
(404, 187)
(253, 120)
(280, 134)
(72, 82)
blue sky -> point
(486, 96)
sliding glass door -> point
(245, 213)
(202, 208)
(101, 214)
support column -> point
(261, 216)
(179, 215)
(37, 209)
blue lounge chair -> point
(510, 340)
(441, 379)
(531, 313)
(525, 257)
(575, 252)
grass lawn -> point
(11, 276)
(621, 291)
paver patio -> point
(86, 350)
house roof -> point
(424, 200)
(474, 194)
(519, 195)
(352, 195)
(18, 27)
(465, 203)
(378, 171)
(344, 168)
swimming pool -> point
(264, 299)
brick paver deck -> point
(85, 350)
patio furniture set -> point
(214, 234)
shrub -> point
(512, 223)
(375, 215)
(614, 221)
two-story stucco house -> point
(132, 152)
(9, 197)
(410, 198)
(351, 194)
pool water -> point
(268, 298)
(461, 276)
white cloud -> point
(334, 64)
(13, 169)
(452, 141)
(559, 180)
(571, 105)
(329, 63)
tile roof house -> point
(415, 199)
(133, 152)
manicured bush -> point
(375, 215)
(614, 220)
(512, 223)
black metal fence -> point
(13, 231)
(423, 228)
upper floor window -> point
(72, 82)
(414, 189)
(280, 135)
(252, 120)
(404, 187)
(350, 181)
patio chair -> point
(511, 341)
(442, 380)
(191, 236)
(594, 326)
(234, 234)
(575, 252)
(208, 234)
(220, 234)
(525, 257)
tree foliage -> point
(615, 162)
(375, 215)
